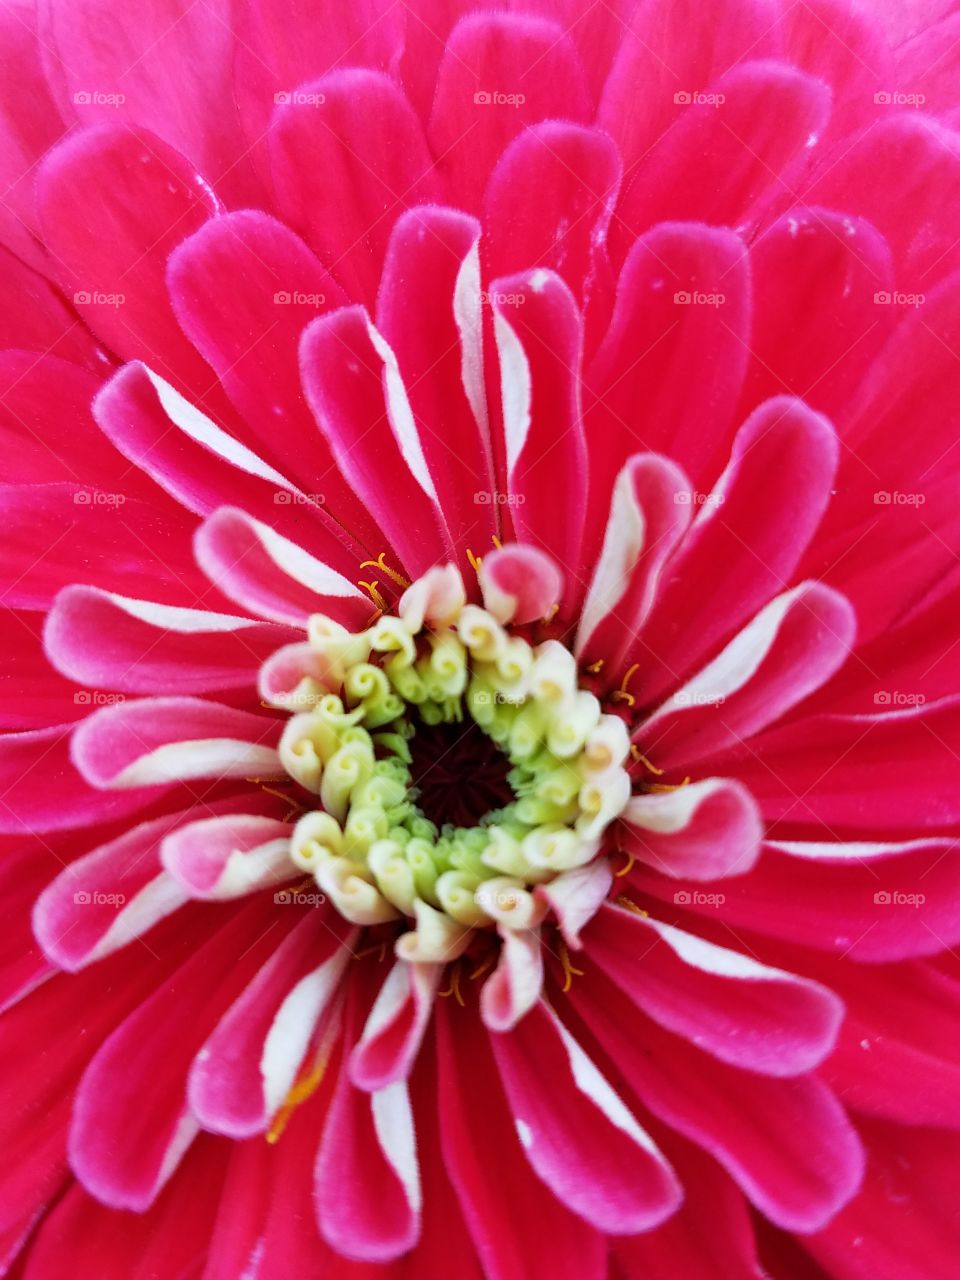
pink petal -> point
(649, 515)
(246, 1068)
(477, 1135)
(787, 1143)
(735, 1008)
(668, 53)
(105, 640)
(121, 1150)
(358, 398)
(35, 317)
(514, 987)
(816, 277)
(273, 577)
(348, 156)
(155, 740)
(111, 262)
(790, 649)
(520, 583)
(55, 533)
(41, 790)
(181, 62)
(367, 1180)
(578, 1135)
(228, 857)
(702, 831)
(725, 162)
(770, 498)
(674, 347)
(32, 694)
(870, 900)
(499, 73)
(395, 1026)
(549, 202)
(869, 773)
(574, 897)
(435, 331)
(911, 217)
(539, 338)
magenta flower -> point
(480, 791)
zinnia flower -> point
(480, 579)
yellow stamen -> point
(637, 754)
(624, 901)
(569, 970)
(496, 542)
(668, 786)
(454, 987)
(368, 951)
(306, 1086)
(554, 610)
(596, 667)
(375, 595)
(481, 968)
(475, 561)
(392, 574)
(621, 694)
(628, 868)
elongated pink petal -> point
(156, 740)
(247, 1066)
(520, 583)
(348, 155)
(499, 73)
(514, 987)
(789, 650)
(580, 1138)
(726, 1003)
(228, 857)
(702, 831)
(395, 1026)
(106, 640)
(272, 577)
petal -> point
(735, 1008)
(228, 857)
(649, 515)
(111, 641)
(790, 649)
(477, 1135)
(499, 73)
(539, 339)
(435, 330)
(248, 1065)
(156, 740)
(726, 161)
(520, 583)
(273, 577)
(702, 831)
(549, 202)
(770, 498)
(395, 1026)
(357, 395)
(348, 156)
(578, 1135)
(514, 987)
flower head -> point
(479, 563)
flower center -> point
(458, 766)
